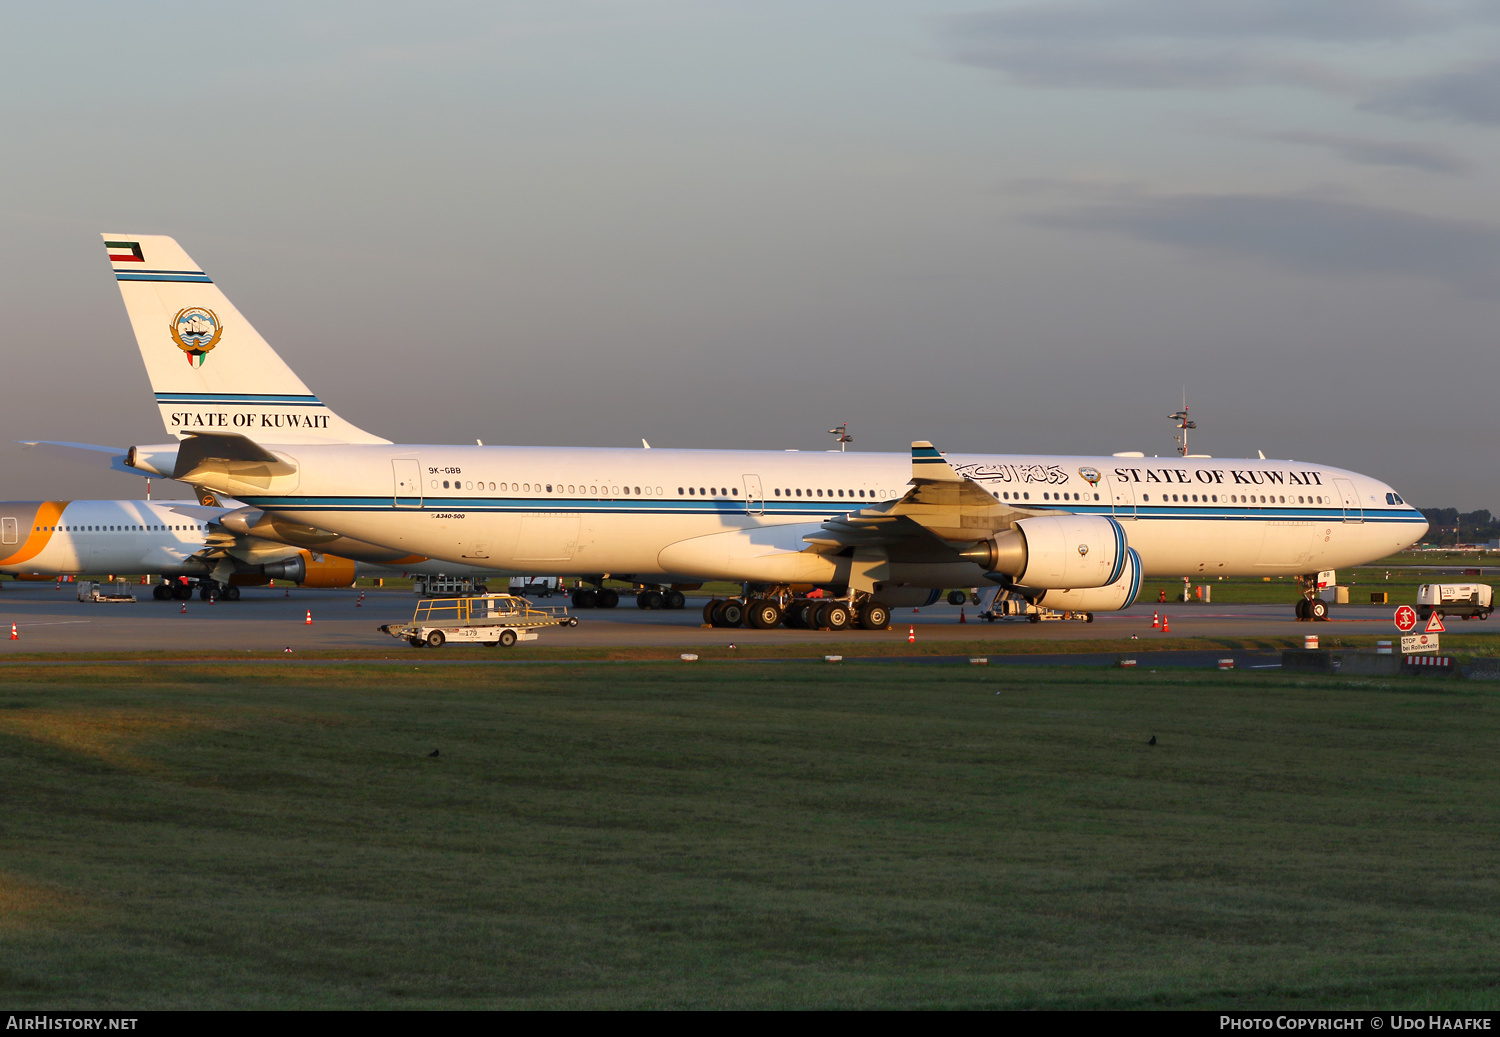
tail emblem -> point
(196, 331)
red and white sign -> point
(1435, 624)
(1406, 618)
(1419, 643)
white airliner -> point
(877, 530)
(189, 544)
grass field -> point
(745, 835)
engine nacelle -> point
(1118, 595)
(1057, 551)
(309, 570)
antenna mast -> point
(1183, 424)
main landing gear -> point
(1310, 607)
(178, 590)
(599, 596)
(652, 598)
(770, 611)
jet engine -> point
(1118, 595)
(310, 570)
(1057, 551)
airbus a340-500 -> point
(877, 530)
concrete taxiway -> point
(52, 620)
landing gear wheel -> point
(957, 597)
(182, 592)
(875, 616)
(709, 609)
(675, 599)
(730, 613)
(231, 594)
(1317, 610)
(817, 616)
(435, 639)
(795, 616)
(161, 592)
(206, 592)
(507, 638)
(1302, 604)
(608, 599)
(648, 599)
(764, 614)
(585, 599)
(836, 616)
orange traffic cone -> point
(961, 618)
(184, 608)
(308, 621)
(288, 593)
(361, 602)
(911, 635)
(1166, 627)
(1156, 621)
(15, 635)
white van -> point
(1455, 599)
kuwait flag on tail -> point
(124, 251)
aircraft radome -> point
(877, 530)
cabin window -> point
(734, 491)
(627, 491)
(777, 491)
(690, 491)
(702, 492)
(1028, 496)
(638, 490)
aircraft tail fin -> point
(209, 368)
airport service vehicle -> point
(488, 619)
(109, 592)
(1007, 606)
(877, 530)
(1467, 600)
(442, 586)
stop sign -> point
(1406, 618)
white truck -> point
(1468, 600)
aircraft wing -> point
(111, 457)
(941, 506)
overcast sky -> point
(1022, 226)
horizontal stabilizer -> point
(111, 457)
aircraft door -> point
(755, 500)
(1352, 510)
(1124, 497)
(10, 531)
(408, 473)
